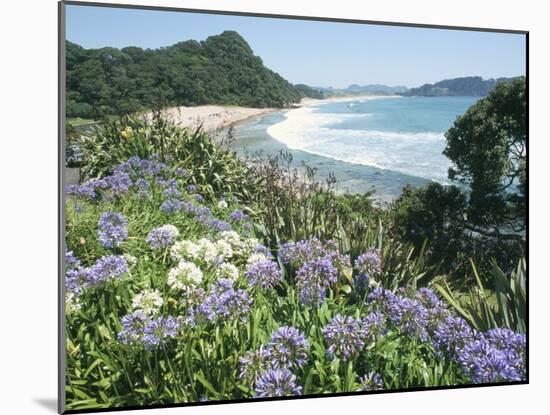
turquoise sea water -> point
(381, 144)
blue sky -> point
(315, 53)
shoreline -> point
(212, 117)
(215, 118)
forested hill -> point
(467, 86)
(220, 70)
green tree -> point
(487, 148)
(432, 215)
(220, 70)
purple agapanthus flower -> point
(296, 254)
(162, 237)
(76, 279)
(218, 225)
(276, 382)
(373, 326)
(451, 335)
(156, 331)
(368, 266)
(314, 278)
(139, 168)
(107, 268)
(436, 309)
(238, 216)
(483, 362)
(380, 299)
(113, 229)
(171, 206)
(88, 190)
(133, 325)
(371, 382)
(409, 316)
(344, 337)
(119, 182)
(71, 261)
(288, 348)
(104, 269)
(370, 262)
(225, 303)
(264, 274)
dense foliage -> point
(485, 217)
(171, 299)
(191, 276)
(467, 86)
(488, 150)
(220, 70)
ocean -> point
(378, 144)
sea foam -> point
(414, 153)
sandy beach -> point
(218, 117)
(212, 117)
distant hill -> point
(219, 70)
(355, 89)
(375, 89)
(467, 86)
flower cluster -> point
(113, 229)
(211, 281)
(264, 274)
(268, 369)
(319, 264)
(162, 237)
(344, 336)
(314, 278)
(204, 216)
(487, 359)
(409, 316)
(298, 253)
(227, 271)
(124, 176)
(139, 328)
(225, 303)
(104, 269)
(370, 382)
(368, 266)
(184, 275)
(276, 382)
(148, 301)
(238, 216)
(451, 335)
(142, 168)
(287, 348)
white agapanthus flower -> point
(183, 275)
(184, 249)
(207, 251)
(222, 204)
(227, 270)
(130, 259)
(223, 248)
(148, 301)
(257, 257)
(231, 237)
(72, 303)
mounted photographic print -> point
(257, 206)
